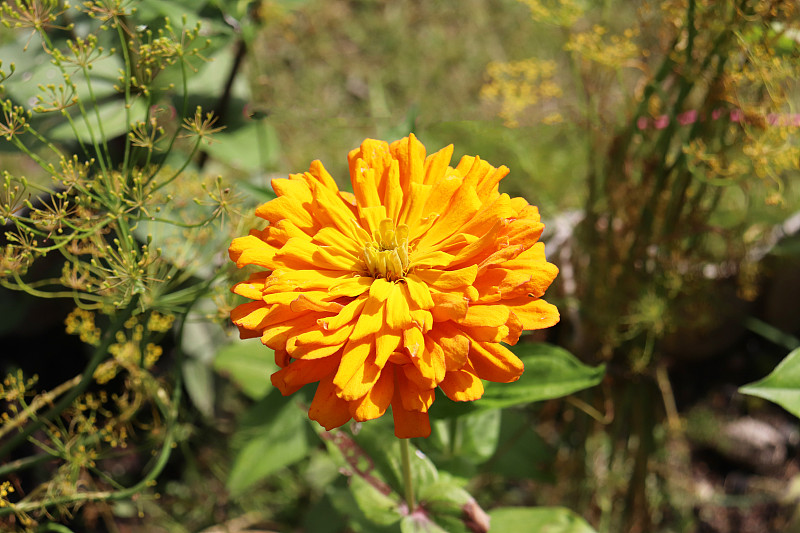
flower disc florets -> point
(406, 285)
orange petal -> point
(250, 316)
(413, 397)
(324, 337)
(386, 342)
(311, 302)
(301, 255)
(276, 335)
(393, 195)
(251, 250)
(398, 315)
(449, 306)
(462, 385)
(296, 188)
(408, 424)
(410, 154)
(444, 280)
(462, 208)
(533, 312)
(374, 403)
(286, 207)
(436, 164)
(327, 408)
(494, 362)
(485, 315)
(454, 344)
(297, 374)
(253, 288)
(413, 373)
(346, 315)
(418, 292)
(309, 352)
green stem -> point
(52, 526)
(408, 485)
(12, 467)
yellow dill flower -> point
(408, 284)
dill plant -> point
(113, 140)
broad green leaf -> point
(521, 452)
(459, 445)
(112, 117)
(444, 494)
(379, 443)
(253, 147)
(445, 501)
(550, 372)
(377, 507)
(35, 68)
(199, 380)
(247, 364)
(271, 436)
(343, 501)
(175, 11)
(538, 520)
(199, 342)
(420, 523)
(782, 385)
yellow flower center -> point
(387, 255)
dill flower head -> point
(406, 285)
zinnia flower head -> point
(406, 285)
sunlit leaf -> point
(538, 520)
(252, 147)
(248, 365)
(377, 507)
(271, 436)
(550, 372)
(112, 117)
(782, 385)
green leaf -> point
(538, 520)
(343, 501)
(782, 385)
(199, 342)
(35, 68)
(444, 502)
(377, 507)
(253, 147)
(550, 372)
(459, 445)
(271, 436)
(173, 10)
(420, 523)
(379, 443)
(199, 381)
(112, 118)
(247, 364)
(521, 453)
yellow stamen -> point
(387, 255)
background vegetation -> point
(659, 140)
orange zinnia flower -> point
(408, 284)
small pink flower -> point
(689, 117)
(661, 122)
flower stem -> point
(407, 483)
